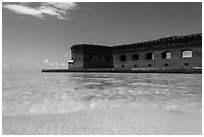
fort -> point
(169, 54)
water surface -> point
(54, 93)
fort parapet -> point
(168, 54)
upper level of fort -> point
(164, 42)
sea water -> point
(28, 93)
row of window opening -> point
(149, 65)
(165, 55)
(108, 59)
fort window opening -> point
(166, 55)
(150, 55)
(122, 66)
(186, 54)
(135, 57)
(123, 58)
(90, 57)
(166, 64)
(186, 64)
(107, 59)
(99, 57)
(149, 65)
(135, 66)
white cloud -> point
(63, 65)
(22, 9)
(52, 9)
(53, 65)
(45, 61)
(49, 65)
(57, 64)
(62, 6)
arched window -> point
(123, 58)
(150, 56)
(135, 57)
(166, 55)
(186, 54)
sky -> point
(39, 35)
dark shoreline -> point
(182, 71)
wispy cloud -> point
(45, 61)
(56, 9)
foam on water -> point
(46, 93)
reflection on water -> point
(33, 93)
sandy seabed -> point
(107, 121)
